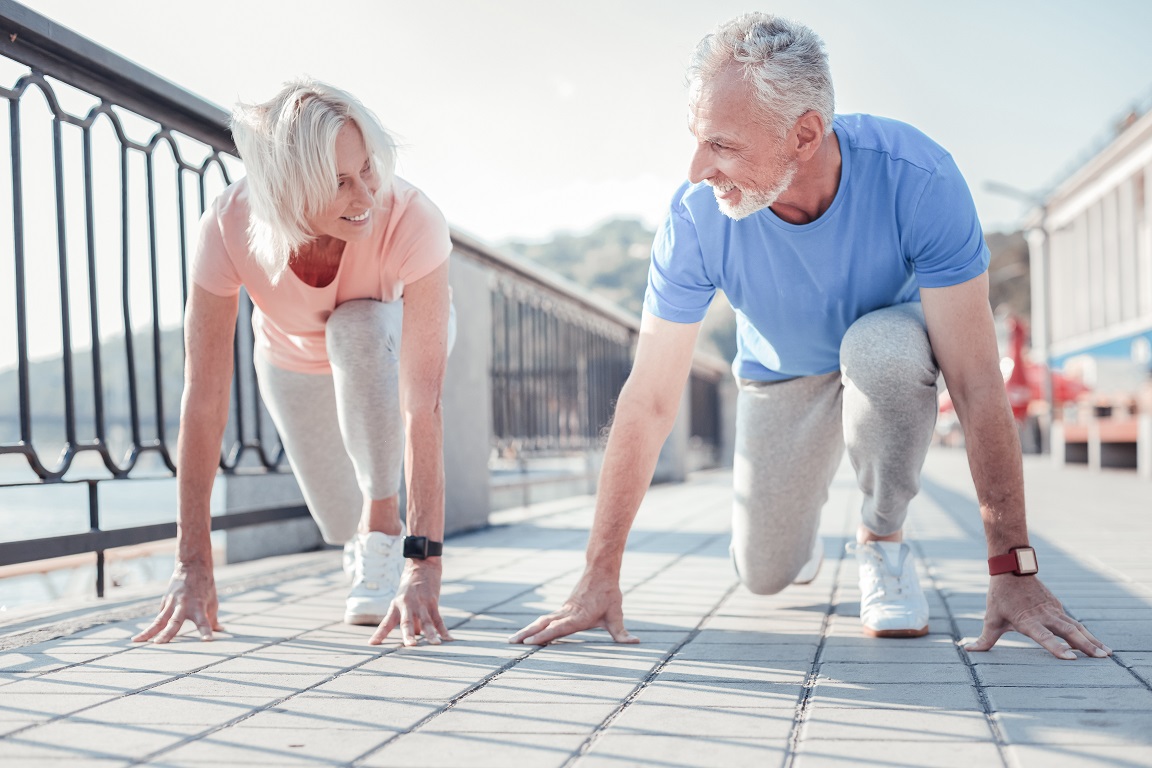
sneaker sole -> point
(365, 619)
(896, 632)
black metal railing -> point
(555, 372)
(111, 167)
(560, 355)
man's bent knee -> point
(761, 579)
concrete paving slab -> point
(894, 754)
(161, 709)
(959, 697)
(477, 750)
(711, 693)
(645, 718)
(78, 739)
(1080, 698)
(479, 717)
(153, 659)
(383, 686)
(515, 688)
(1068, 674)
(1067, 756)
(829, 723)
(879, 652)
(47, 705)
(616, 749)
(245, 745)
(1082, 728)
(890, 672)
(314, 710)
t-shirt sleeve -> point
(946, 244)
(422, 241)
(212, 267)
(679, 289)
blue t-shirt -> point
(902, 219)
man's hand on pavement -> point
(191, 596)
(1024, 604)
(594, 602)
(416, 607)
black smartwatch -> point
(419, 547)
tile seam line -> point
(208, 732)
(259, 583)
(330, 678)
(603, 726)
(512, 663)
(998, 739)
(800, 714)
(535, 649)
(567, 572)
(144, 606)
(1147, 685)
(173, 678)
(263, 580)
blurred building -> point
(1091, 257)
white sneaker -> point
(811, 568)
(377, 565)
(350, 558)
(891, 601)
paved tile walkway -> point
(722, 678)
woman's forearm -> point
(424, 469)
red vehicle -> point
(1023, 380)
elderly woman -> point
(335, 252)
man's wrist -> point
(1018, 561)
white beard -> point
(752, 200)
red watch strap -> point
(1002, 564)
(1019, 560)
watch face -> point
(1026, 561)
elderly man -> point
(851, 251)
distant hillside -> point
(46, 389)
(612, 261)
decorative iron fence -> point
(111, 168)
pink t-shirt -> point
(409, 240)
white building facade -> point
(1091, 261)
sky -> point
(521, 118)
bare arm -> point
(209, 324)
(963, 337)
(423, 358)
(645, 414)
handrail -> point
(55, 50)
(563, 352)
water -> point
(37, 511)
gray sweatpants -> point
(791, 435)
(343, 432)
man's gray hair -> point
(288, 145)
(784, 61)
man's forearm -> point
(629, 461)
(997, 471)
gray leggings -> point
(343, 432)
(791, 435)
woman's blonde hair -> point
(288, 145)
